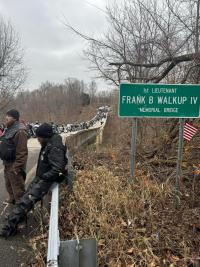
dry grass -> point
(134, 224)
(106, 207)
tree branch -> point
(178, 59)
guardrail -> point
(54, 239)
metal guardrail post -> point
(53, 240)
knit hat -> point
(44, 130)
(13, 113)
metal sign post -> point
(179, 160)
(133, 150)
(159, 101)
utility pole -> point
(197, 73)
(197, 28)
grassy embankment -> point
(135, 224)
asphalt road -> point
(15, 251)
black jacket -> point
(13, 145)
(52, 160)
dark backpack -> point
(7, 149)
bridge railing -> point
(54, 238)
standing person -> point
(50, 168)
(14, 153)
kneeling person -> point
(50, 168)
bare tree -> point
(175, 44)
(61, 103)
(147, 41)
(12, 71)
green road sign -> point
(159, 100)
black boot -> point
(8, 230)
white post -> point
(53, 240)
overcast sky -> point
(52, 52)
